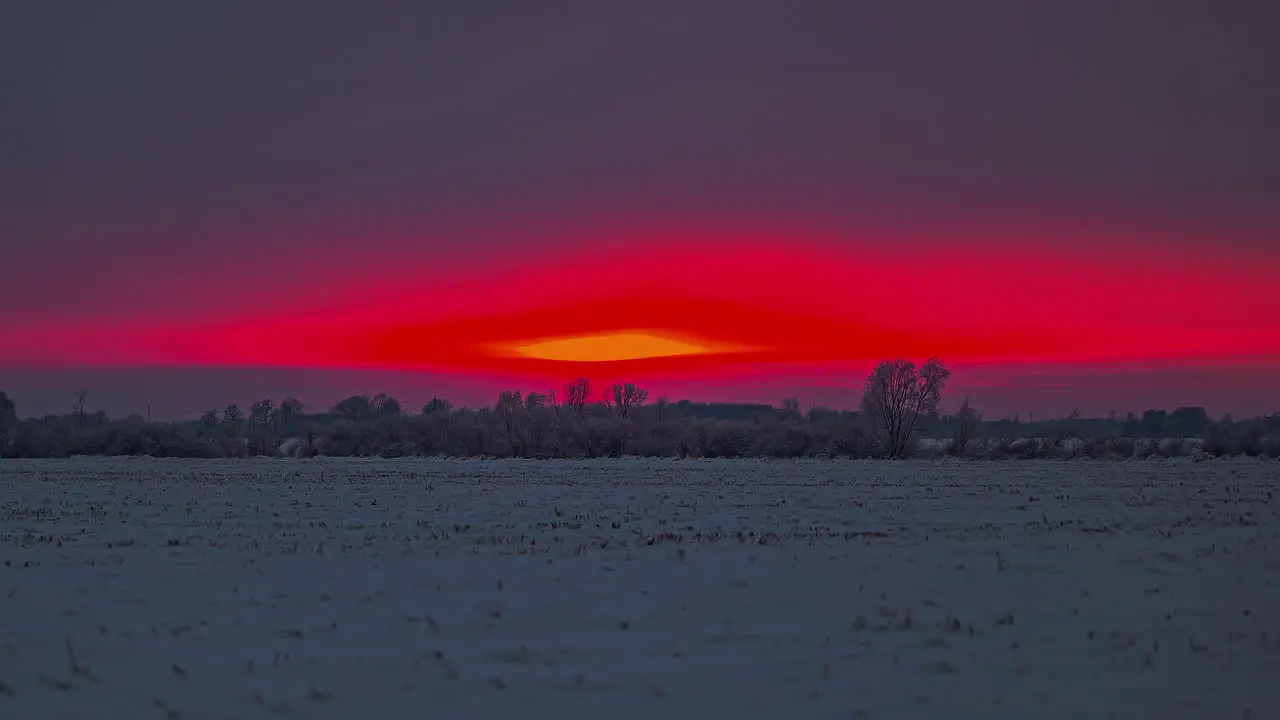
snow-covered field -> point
(639, 589)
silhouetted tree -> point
(895, 396)
(287, 416)
(628, 397)
(261, 415)
(78, 408)
(385, 406)
(232, 417)
(660, 408)
(542, 420)
(1154, 423)
(968, 422)
(1221, 438)
(437, 405)
(791, 409)
(8, 421)
(510, 408)
(260, 412)
(1189, 422)
(577, 394)
(356, 408)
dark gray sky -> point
(158, 153)
(158, 128)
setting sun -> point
(615, 347)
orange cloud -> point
(615, 347)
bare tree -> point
(384, 405)
(542, 416)
(209, 420)
(627, 397)
(260, 417)
(288, 414)
(510, 408)
(437, 404)
(577, 393)
(260, 412)
(232, 417)
(356, 408)
(8, 421)
(968, 424)
(791, 409)
(896, 394)
(78, 408)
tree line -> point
(900, 415)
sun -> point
(617, 347)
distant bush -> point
(1222, 439)
(1171, 447)
(536, 426)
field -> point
(637, 589)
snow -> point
(638, 588)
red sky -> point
(812, 311)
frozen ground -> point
(639, 589)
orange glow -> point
(615, 347)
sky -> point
(1074, 204)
